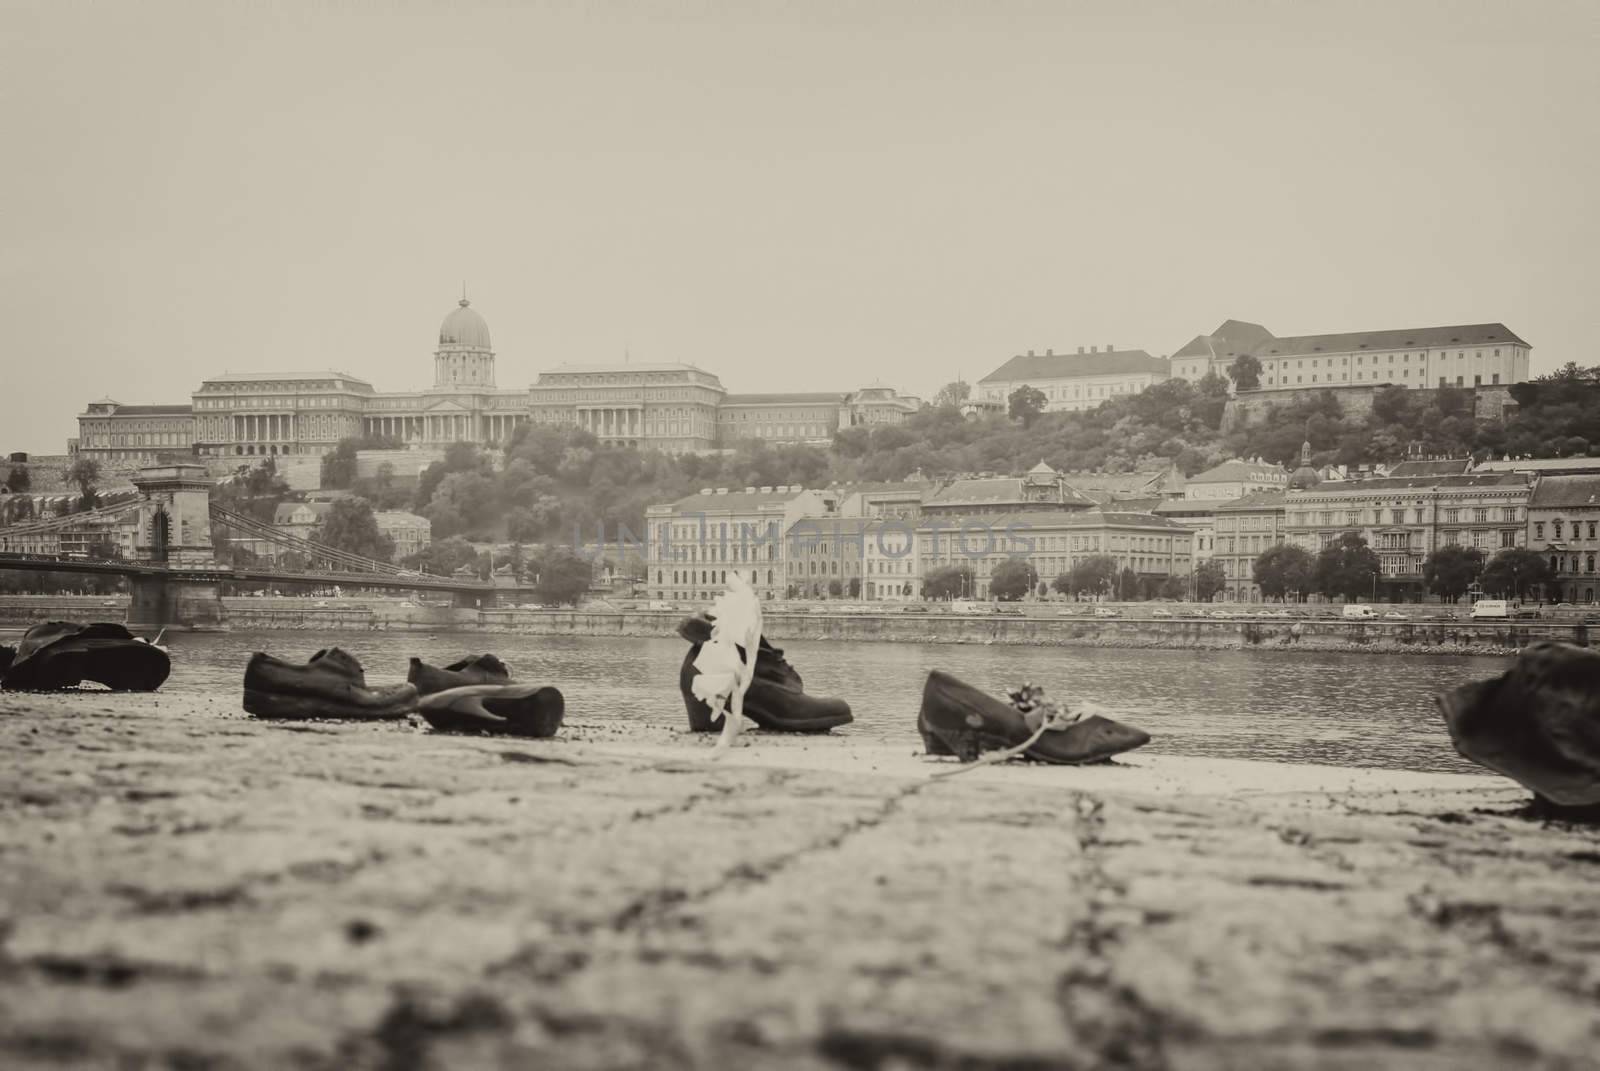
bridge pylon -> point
(175, 527)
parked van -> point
(1359, 613)
(1494, 609)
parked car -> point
(1395, 615)
(1011, 611)
(1106, 611)
(1066, 611)
(1360, 612)
(1160, 611)
(913, 608)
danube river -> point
(1300, 706)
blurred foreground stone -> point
(181, 885)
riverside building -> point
(1406, 518)
(1242, 529)
(694, 543)
(1053, 542)
(1564, 525)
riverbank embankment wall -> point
(248, 614)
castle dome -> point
(464, 327)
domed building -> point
(307, 413)
(1306, 476)
(464, 356)
(677, 408)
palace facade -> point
(677, 408)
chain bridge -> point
(174, 577)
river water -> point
(1302, 706)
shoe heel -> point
(934, 744)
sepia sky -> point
(799, 196)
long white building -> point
(1462, 355)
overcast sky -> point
(802, 196)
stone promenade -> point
(183, 886)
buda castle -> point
(677, 408)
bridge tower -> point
(175, 528)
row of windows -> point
(1379, 515)
(1557, 526)
(1405, 358)
(298, 402)
(1477, 381)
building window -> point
(1538, 530)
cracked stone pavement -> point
(181, 885)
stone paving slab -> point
(181, 885)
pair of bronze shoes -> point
(1538, 724)
(477, 695)
(776, 699)
(64, 654)
(958, 719)
(331, 684)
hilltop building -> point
(1457, 355)
(1072, 381)
(677, 408)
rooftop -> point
(1399, 339)
(287, 377)
(1541, 464)
(148, 410)
(1371, 484)
(735, 500)
(1238, 469)
(1565, 492)
(992, 490)
(1254, 500)
(626, 366)
(1042, 366)
(1093, 518)
(1446, 467)
(1230, 339)
(813, 398)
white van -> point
(1359, 613)
(1493, 609)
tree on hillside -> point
(1025, 404)
(1245, 371)
(1209, 580)
(253, 490)
(464, 502)
(1346, 567)
(951, 395)
(1515, 571)
(564, 576)
(1451, 570)
(339, 465)
(18, 480)
(85, 472)
(947, 582)
(349, 525)
(443, 557)
(1284, 570)
(1012, 579)
(1094, 575)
